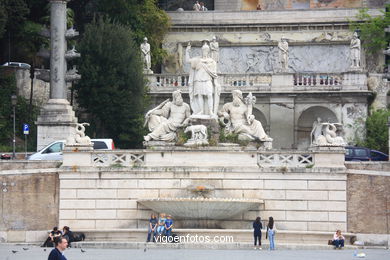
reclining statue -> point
(240, 119)
(164, 120)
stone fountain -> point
(198, 205)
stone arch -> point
(305, 123)
(261, 117)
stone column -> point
(56, 120)
(58, 49)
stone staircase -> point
(226, 239)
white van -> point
(53, 152)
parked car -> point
(17, 65)
(364, 154)
(53, 151)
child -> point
(168, 225)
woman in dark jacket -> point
(257, 226)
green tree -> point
(112, 86)
(377, 135)
(372, 29)
(23, 115)
(144, 17)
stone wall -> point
(368, 203)
(106, 198)
(29, 204)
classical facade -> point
(317, 81)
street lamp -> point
(14, 100)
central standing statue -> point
(204, 89)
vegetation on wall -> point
(377, 133)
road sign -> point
(26, 129)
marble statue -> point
(328, 134)
(214, 47)
(240, 119)
(283, 53)
(164, 120)
(316, 130)
(204, 89)
(79, 138)
(198, 135)
(355, 51)
(147, 62)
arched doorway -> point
(305, 123)
(260, 117)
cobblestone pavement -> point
(35, 253)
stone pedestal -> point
(328, 156)
(56, 121)
(77, 155)
(210, 123)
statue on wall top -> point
(147, 62)
(79, 138)
(240, 119)
(164, 120)
(283, 54)
(214, 47)
(327, 134)
(355, 51)
(204, 89)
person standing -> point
(257, 226)
(271, 229)
(57, 253)
(152, 228)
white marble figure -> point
(214, 47)
(196, 6)
(330, 135)
(79, 138)
(164, 120)
(147, 62)
(355, 51)
(204, 89)
(240, 119)
(316, 131)
(283, 54)
(198, 135)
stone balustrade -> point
(317, 80)
(278, 82)
(221, 157)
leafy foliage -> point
(377, 136)
(23, 115)
(372, 30)
(112, 86)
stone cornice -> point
(255, 18)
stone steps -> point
(234, 235)
(219, 246)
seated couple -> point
(159, 227)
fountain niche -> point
(200, 205)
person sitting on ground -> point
(68, 235)
(152, 231)
(52, 235)
(57, 253)
(161, 224)
(338, 240)
(168, 226)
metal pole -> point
(25, 146)
(14, 140)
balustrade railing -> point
(118, 158)
(291, 159)
(314, 80)
(246, 80)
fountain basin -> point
(201, 208)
